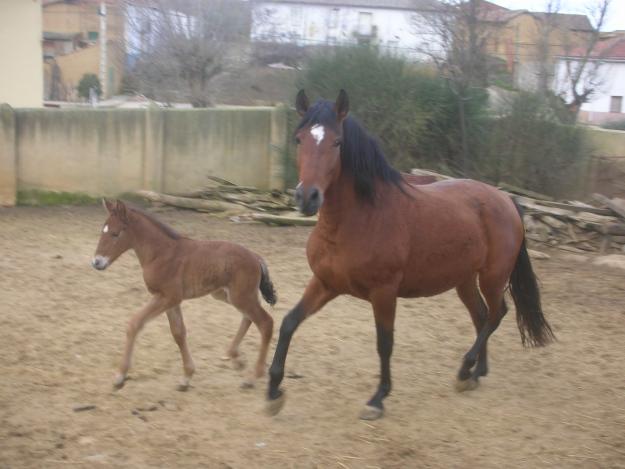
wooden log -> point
(184, 202)
(576, 208)
(285, 220)
(617, 229)
(526, 192)
(616, 205)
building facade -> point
(21, 79)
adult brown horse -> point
(380, 237)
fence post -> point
(277, 144)
(8, 156)
(153, 150)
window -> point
(92, 35)
(616, 104)
(364, 23)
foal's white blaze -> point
(105, 229)
(318, 132)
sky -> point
(616, 12)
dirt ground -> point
(62, 329)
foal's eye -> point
(115, 235)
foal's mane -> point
(361, 155)
(167, 230)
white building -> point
(400, 26)
(606, 102)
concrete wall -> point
(607, 169)
(106, 152)
(21, 69)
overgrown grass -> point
(35, 197)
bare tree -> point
(582, 77)
(459, 52)
(179, 46)
(544, 47)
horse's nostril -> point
(314, 195)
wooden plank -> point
(184, 202)
(285, 220)
(526, 192)
(616, 205)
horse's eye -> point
(337, 142)
(297, 141)
(115, 235)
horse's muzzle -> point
(100, 262)
(308, 200)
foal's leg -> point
(264, 322)
(156, 306)
(384, 304)
(472, 299)
(493, 292)
(179, 331)
(315, 297)
(233, 351)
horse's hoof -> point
(119, 382)
(466, 384)
(275, 405)
(247, 384)
(371, 413)
(183, 387)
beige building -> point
(21, 78)
(72, 46)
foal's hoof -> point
(119, 381)
(274, 406)
(371, 413)
(248, 384)
(184, 385)
(466, 384)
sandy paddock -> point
(62, 329)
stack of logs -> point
(571, 226)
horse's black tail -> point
(266, 285)
(534, 328)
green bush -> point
(416, 116)
(89, 80)
(412, 111)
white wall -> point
(612, 83)
(401, 31)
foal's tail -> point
(266, 285)
(534, 328)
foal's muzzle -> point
(100, 262)
(308, 200)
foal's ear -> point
(341, 107)
(108, 206)
(120, 210)
(301, 103)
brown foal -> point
(176, 268)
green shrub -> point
(614, 125)
(89, 80)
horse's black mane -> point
(361, 155)
(169, 231)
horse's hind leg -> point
(493, 292)
(472, 299)
(233, 351)
(179, 331)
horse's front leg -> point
(156, 306)
(384, 303)
(315, 297)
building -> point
(528, 42)
(605, 73)
(21, 79)
(72, 44)
(399, 26)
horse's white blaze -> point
(318, 132)
(105, 229)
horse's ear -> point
(108, 206)
(341, 107)
(301, 103)
(120, 210)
